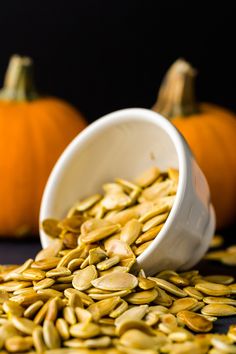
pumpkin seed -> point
(181, 335)
(186, 303)
(232, 332)
(139, 250)
(155, 211)
(46, 264)
(134, 324)
(151, 319)
(195, 322)
(117, 200)
(98, 296)
(119, 248)
(147, 177)
(219, 300)
(193, 292)
(99, 234)
(51, 251)
(84, 331)
(14, 285)
(96, 255)
(41, 313)
(157, 190)
(123, 216)
(84, 278)
(114, 270)
(199, 305)
(83, 315)
(58, 272)
(171, 288)
(121, 281)
(218, 310)
(7, 330)
(103, 307)
(149, 235)
(155, 221)
(142, 297)
(84, 297)
(62, 328)
(101, 342)
(12, 308)
(130, 231)
(168, 323)
(119, 309)
(135, 338)
(229, 259)
(38, 340)
(69, 315)
(217, 241)
(163, 298)
(3, 296)
(46, 294)
(108, 263)
(232, 288)
(179, 281)
(44, 284)
(215, 255)
(220, 279)
(93, 224)
(75, 253)
(33, 309)
(50, 227)
(16, 272)
(52, 310)
(127, 185)
(75, 264)
(112, 188)
(136, 313)
(70, 239)
(33, 274)
(87, 202)
(71, 224)
(18, 344)
(146, 284)
(66, 279)
(24, 325)
(213, 289)
(173, 174)
(50, 335)
(223, 346)
(23, 291)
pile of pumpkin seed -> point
(79, 294)
(132, 212)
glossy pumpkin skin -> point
(33, 135)
(211, 134)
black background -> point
(106, 55)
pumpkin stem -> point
(176, 96)
(18, 82)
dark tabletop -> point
(17, 251)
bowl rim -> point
(95, 128)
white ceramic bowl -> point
(124, 144)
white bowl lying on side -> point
(124, 144)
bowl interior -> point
(115, 146)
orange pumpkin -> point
(34, 132)
(209, 130)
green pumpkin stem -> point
(18, 82)
(176, 96)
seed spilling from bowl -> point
(85, 299)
